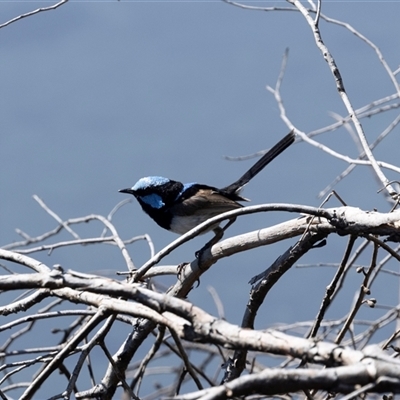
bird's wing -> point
(205, 202)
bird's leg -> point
(219, 233)
(227, 225)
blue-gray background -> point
(96, 95)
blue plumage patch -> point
(186, 186)
(149, 181)
(153, 200)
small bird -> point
(179, 207)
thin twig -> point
(28, 14)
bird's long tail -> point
(282, 145)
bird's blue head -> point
(156, 192)
(149, 182)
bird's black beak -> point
(130, 191)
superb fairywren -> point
(180, 207)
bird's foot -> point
(219, 233)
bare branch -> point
(53, 7)
(340, 87)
